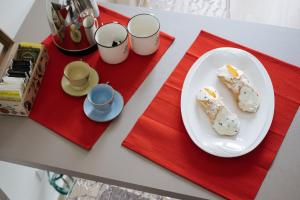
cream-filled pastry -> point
(247, 96)
(223, 121)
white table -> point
(26, 142)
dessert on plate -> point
(223, 121)
(246, 95)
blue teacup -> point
(101, 97)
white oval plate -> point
(253, 126)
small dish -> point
(92, 113)
(93, 80)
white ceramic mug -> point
(90, 25)
(144, 33)
(112, 40)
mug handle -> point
(96, 22)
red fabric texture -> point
(160, 135)
(64, 114)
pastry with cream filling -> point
(223, 121)
(239, 84)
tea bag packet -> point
(20, 68)
(11, 88)
(14, 81)
(28, 51)
(20, 65)
(17, 74)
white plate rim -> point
(270, 94)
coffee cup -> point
(144, 30)
(101, 97)
(90, 25)
(77, 73)
(112, 40)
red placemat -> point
(64, 114)
(160, 135)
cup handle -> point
(96, 22)
(113, 97)
(89, 73)
(67, 77)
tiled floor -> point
(91, 190)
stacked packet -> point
(14, 81)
